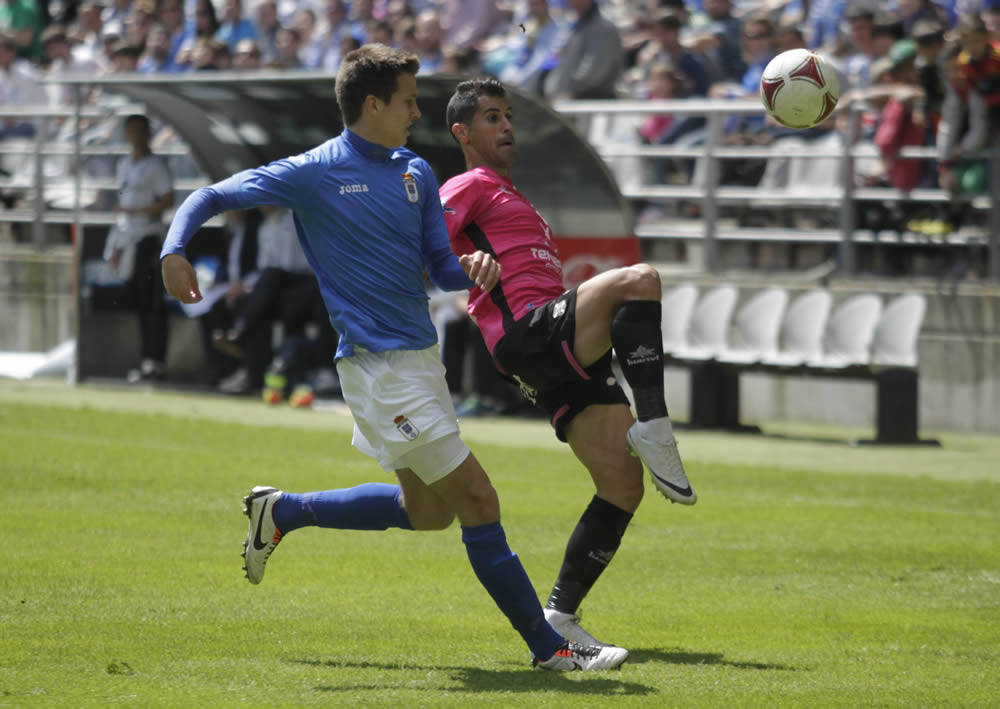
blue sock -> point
(501, 572)
(368, 506)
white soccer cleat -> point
(572, 656)
(665, 466)
(263, 536)
(568, 625)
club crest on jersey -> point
(406, 427)
(410, 185)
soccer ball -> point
(799, 88)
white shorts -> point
(403, 413)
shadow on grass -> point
(477, 679)
(680, 656)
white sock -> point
(658, 429)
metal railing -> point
(711, 195)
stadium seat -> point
(802, 330)
(755, 328)
(709, 327)
(678, 305)
(849, 333)
(895, 342)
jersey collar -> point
(372, 151)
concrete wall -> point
(36, 298)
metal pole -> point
(74, 372)
(994, 221)
(38, 203)
(847, 212)
(709, 206)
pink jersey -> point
(485, 212)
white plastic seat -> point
(706, 335)
(802, 330)
(849, 334)
(755, 327)
(678, 304)
(895, 342)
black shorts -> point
(537, 353)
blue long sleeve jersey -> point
(370, 222)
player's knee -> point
(644, 282)
(431, 520)
(480, 505)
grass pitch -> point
(810, 573)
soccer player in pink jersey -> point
(557, 344)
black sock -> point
(638, 342)
(591, 548)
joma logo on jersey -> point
(352, 189)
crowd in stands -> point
(929, 70)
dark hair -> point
(464, 102)
(370, 70)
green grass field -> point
(811, 573)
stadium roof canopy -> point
(236, 121)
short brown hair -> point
(371, 70)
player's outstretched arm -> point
(481, 269)
(179, 278)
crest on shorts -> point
(410, 185)
(406, 427)
(558, 309)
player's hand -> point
(481, 269)
(179, 278)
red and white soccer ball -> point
(799, 88)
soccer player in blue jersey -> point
(370, 221)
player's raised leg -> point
(621, 308)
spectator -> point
(381, 33)
(788, 37)
(406, 36)
(248, 56)
(969, 116)
(362, 17)
(206, 24)
(467, 22)
(929, 36)
(18, 87)
(138, 22)
(234, 26)
(117, 11)
(171, 15)
(591, 62)
(338, 26)
(62, 61)
(665, 47)
(156, 57)
(288, 50)
(133, 244)
(861, 23)
(430, 50)
(237, 273)
(823, 22)
(913, 11)
(124, 57)
(902, 121)
(459, 60)
(310, 45)
(535, 49)
(23, 21)
(991, 18)
(285, 291)
(88, 34)
(717, 37)
(887, 29)
(266, 27)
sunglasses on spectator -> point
(760, 35)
